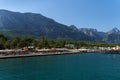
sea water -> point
(83, 66)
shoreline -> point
(37, 54)
(4, 54)
(47, 54)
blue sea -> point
(84, 66)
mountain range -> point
(35, 25)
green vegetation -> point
(43, 42)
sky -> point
(102, 15)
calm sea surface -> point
(62, 67)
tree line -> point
(43, 42)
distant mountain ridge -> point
(36, 25)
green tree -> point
(15, 42)
(43, 42)
(7, 45)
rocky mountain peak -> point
(73, 27)
(114, 31)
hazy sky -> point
(100, 14)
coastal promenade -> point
(45, 52)
(33, 54)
